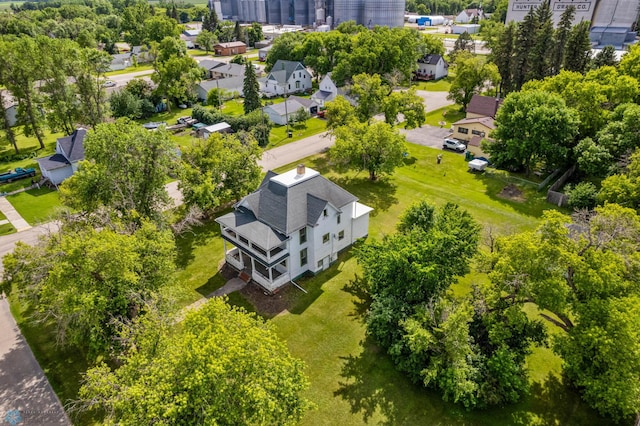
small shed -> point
(222, 127)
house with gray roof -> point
(432, 67)
(285, 77)
(294, 223)
(62, 164)
(281, 113)
(10, 105)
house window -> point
(338, 219)
(303, 235)
(463, 130)
(289, 87)
(325, 238)
(231, 233)
(244, 240)
(477, 133)
(341, 235)
(319, 264)
(303, 257)
(325, 213)
(297, 84)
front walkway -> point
(13, 216)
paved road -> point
(25, 394)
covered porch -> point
(270, 277)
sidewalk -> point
(13, 216)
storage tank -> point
(330, 21)
(301, 12)
(389, 13)
(320, 16)
(437, 20)
(348, 10)
(273, 12)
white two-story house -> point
(285, 77)
(294, 223)
(62, 164)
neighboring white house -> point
(432, 67)
(282, 112)
(62, 164)
(10, 108)
(218, 69)
(468, 15)
(285, 77)
(137, 54)
(294, 223)
(326, 92)
(465, 28)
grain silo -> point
(389, 13)
(348, 10)
(274, 11)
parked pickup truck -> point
(18, 173)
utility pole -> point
(286, 111)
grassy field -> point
(279, 137)
(449, 114)
(36, 205)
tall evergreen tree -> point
(578, 52)
(503, 57)
(562, 35)
(524, 43)
(210, 21)
(539, 60)
(238, 33)
(250, 89)
(607, 56)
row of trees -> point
(533, 49)
(105, 285)
(353, 49)
(55, 82)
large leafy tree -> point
(370, 91)
(250, 89)
(584, 272)
(471, 76)
(203, 373)
(219, 170)
(82, 279)
(630, 62)
(158, 27)
(206, 40)
(175, 73)
(376, 148)
(464, 43)
(473, 352)
(407, 103)
(533, 126)
(21, 71)
(125, 170)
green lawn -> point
(449, 115)
(279, 137)
(139, 67)
(36, 205)
(352, 381)
(441, 85)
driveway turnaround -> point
(26, 398)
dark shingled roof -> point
(484, 105)
(430, 59)
(282, 70)
(287, 209)
(72, 145)
(56, 161)
(246, 224)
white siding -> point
(58, 175)
(325, 225)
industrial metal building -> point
(613, 22)
(309, 13)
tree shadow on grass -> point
(533, 202)
(553, 402)
(357, 287)
(379, 195)
(198, 236)
(374, 389)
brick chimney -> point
(300, 169)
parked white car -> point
(454, 144)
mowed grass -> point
(36, 205)
(447, 115)
(278, 136)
